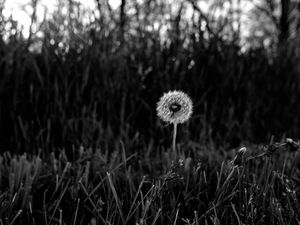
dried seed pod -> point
(239, 158)
(292, 145)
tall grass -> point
(95, 92)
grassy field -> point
(80, 141)
(204, 186)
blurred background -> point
(89, 73)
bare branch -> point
(202, 16)
(268, 13)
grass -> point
(80, 142)
(100, 92)
(201, 188)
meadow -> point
(81, 143)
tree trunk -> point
(284, 21)
(122, 20)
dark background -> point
(72, 83)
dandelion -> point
(174, 107)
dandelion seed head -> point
(174, 107)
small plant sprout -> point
(239, 158)
(175, 107)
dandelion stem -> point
(174, 137)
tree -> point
(284, 16)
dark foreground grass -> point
(203, 187)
